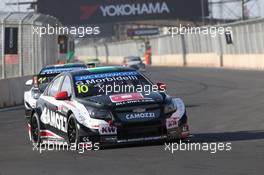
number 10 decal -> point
(82, 89)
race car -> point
(75, 108)
(39, 82)
(93, 62)
(134, 62)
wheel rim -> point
(35, 129)
(72, 131)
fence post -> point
(20, 39)
(3, 45)
(220, 50)
(96, 51)
(183, 50)
(3, 49)
(106, 53)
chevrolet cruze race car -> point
(40, 81)
(75, 108)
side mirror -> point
(62, 95)
(29, 82)
(161, 86)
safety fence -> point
(22, 50)
(243, 48)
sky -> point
(230, 10)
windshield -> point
(109, 83)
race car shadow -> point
(136, 144)
(192, 105)
(228, 136)
(202, 138)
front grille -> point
(140, 130)
(131, 108)
(122, 115)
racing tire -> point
(35, 129)
(72, 131)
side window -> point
(66, 86)
(54, 88)
(46, 92)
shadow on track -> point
(228, 136)
(202, 138)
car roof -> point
(59, 68)
(98, 70)
(64, 65)
(131, 57)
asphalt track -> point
(223, 106)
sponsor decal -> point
(145, 100)
(107, 11)
(95, 81)
(107, 130)
(87, 11)
(126, 97)
(125, 9)
(134, 9)
(171, 123)
(54, 119)
(105, 75)
(142, 32)
(140, 115)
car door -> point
(66, 86)
(50, 116)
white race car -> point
(39, 83)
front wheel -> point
(73, 133)
(35, 129)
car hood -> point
(122, 100)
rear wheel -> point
(35, 129)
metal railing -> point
(29, 52)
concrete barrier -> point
(203, 60)
(12, 91)
(249, 61)
(198, 60)
(167, 60)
